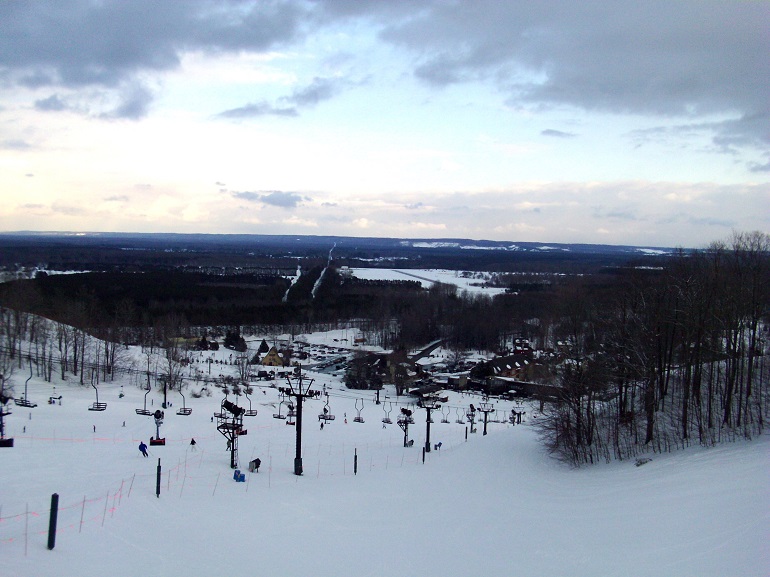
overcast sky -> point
(615, 122)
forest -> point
(650, 357)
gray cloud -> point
(257, 109)
(83, 42)
(67, 210)
(109, 44)
(686, 58)
(757, 167)
(272, 198)
(557, 133)
(693, 59)
(117, 198)
(52, 103)
(318, 90)
(15, 144)
(134, 103)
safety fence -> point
(29, 524)
(203, 472)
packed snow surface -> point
(488, 505)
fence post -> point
(52, 521)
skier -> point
(192, 445)
(257, 463)
(143, 448)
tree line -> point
(666, 358)
(649, 357)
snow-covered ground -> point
(488, 505)
(465, 281)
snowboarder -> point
(192, 445)
(257, 463)
(143, 448)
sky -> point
(610, 122)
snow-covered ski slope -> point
(491, 505)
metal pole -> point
(157, 481)
(298, 453)
(52, 521)
(355, 461)
(427, 432)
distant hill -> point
(138, 251)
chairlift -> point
(185, 411)
(249, 412)
(97, 406)
(387, 420)
(278, 415)
(445, 414)
(24, 401)
(120, 394)
(326, 415)
(460, 420)
(292, 411)
(358, 418)
(145, 411)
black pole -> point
(157, 481)
(355, 461)
(466, 433)
(52, 521)
(298, 454)
(427, 434)
(423, 454)
(486, 414)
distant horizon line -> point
(91, 233)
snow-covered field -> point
(469, 281)
(488, 505)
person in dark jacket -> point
(143, 448)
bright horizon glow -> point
(590, 123)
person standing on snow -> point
(192, 445)
(143, 448)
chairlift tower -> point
(230, 425)
(471, 416)
(486, 408)
(299, 388)
(403, 421)
(429, 403)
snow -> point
(428, 277)
(492, 504)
